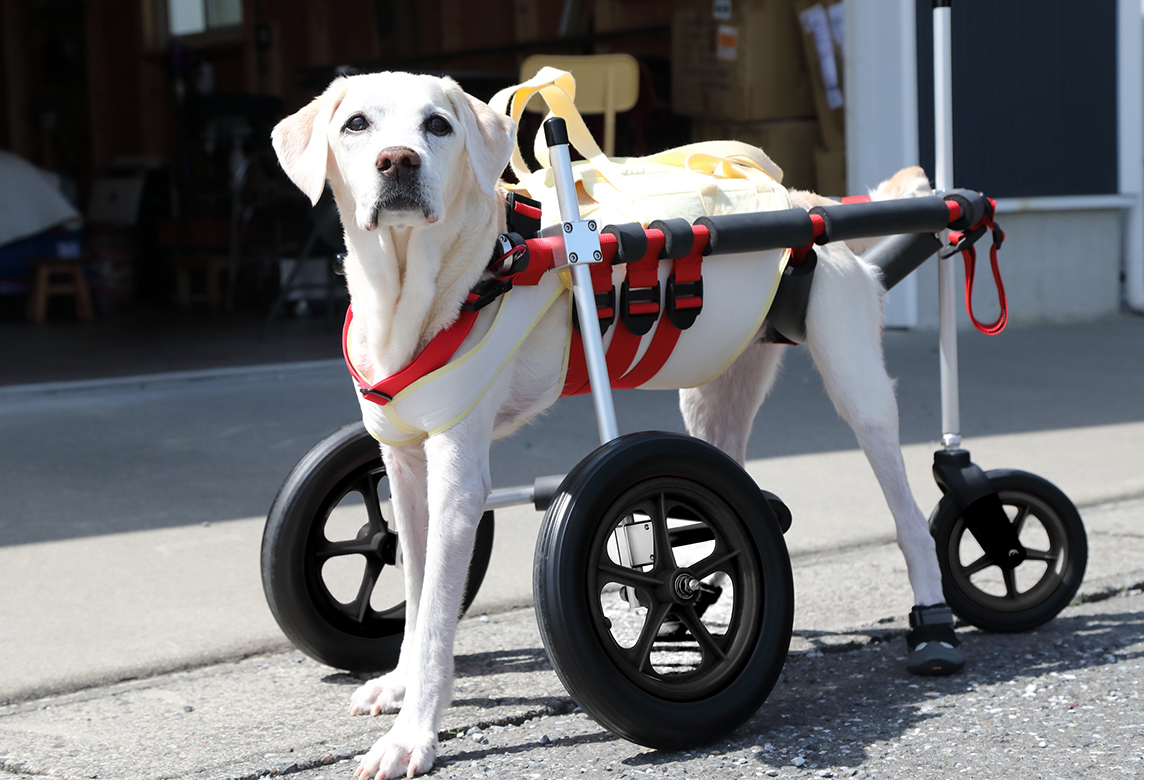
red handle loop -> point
(994, 328)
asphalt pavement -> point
(136, 641)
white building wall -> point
(1064, 256)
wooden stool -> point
(43, 285)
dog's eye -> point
(438, 125)
(357, 123)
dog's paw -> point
(382, 694)
(403, 752)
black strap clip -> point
(486, 291)
(525, 224)
(640, 323)
(509, 256)
(679, 291)
(968, 241)
(605, 302)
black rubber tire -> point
(313, 620)
(663, 711)
(1064, 560)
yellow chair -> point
(606, 84)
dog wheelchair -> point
(662, 583)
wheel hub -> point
(385, 546)
(686, 587)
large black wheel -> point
(663, 590)
(1027, 595)
(327, 557)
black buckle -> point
(527, 227)
(969, 239)
(602, 300)
(683, 318)
(509, 256)
(486, 291)
(640, 324)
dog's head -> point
(394, 146)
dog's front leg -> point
(458, 482)
(406, 470)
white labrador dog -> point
(413, 162)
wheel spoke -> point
(639, 654)
(1021, 516)
(630, 577)
(1009, 582)
(976, 566)
(699, 631)
(663, 552)
(328, 550)
(361, 605)
(713, 563)
(369, 492)
(1049, 556)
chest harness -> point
(644, 321)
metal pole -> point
(558, 150)
(943, 177)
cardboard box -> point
(790, 143)
(740, 61)
(830, 165)
(821, 24)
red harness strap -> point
(434, 356)
(641, 276)
(577, 375)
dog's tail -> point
(906, 183)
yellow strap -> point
(557, 88)
(714, 159)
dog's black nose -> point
(398, 162)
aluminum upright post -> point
(944, 180)
(582, 247)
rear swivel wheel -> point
(664, 590)
(328, 556)
(1022, 595)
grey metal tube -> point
(583, 296)
(898, 256)
(948, 344)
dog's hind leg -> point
(845, 327)
(721, 411)
(406, 471)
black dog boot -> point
(934, 648)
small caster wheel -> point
(1013, 597)
(649, 532)
(327, 559)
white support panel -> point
(881, 113)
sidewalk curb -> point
(142, 381)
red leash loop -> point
(988, 222)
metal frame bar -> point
(558, 151)
(948, 346)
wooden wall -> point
(115, 96)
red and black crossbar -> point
(911, 225)
(794, 228)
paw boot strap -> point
(933, 623)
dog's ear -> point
(490, 136)
(302, 144)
